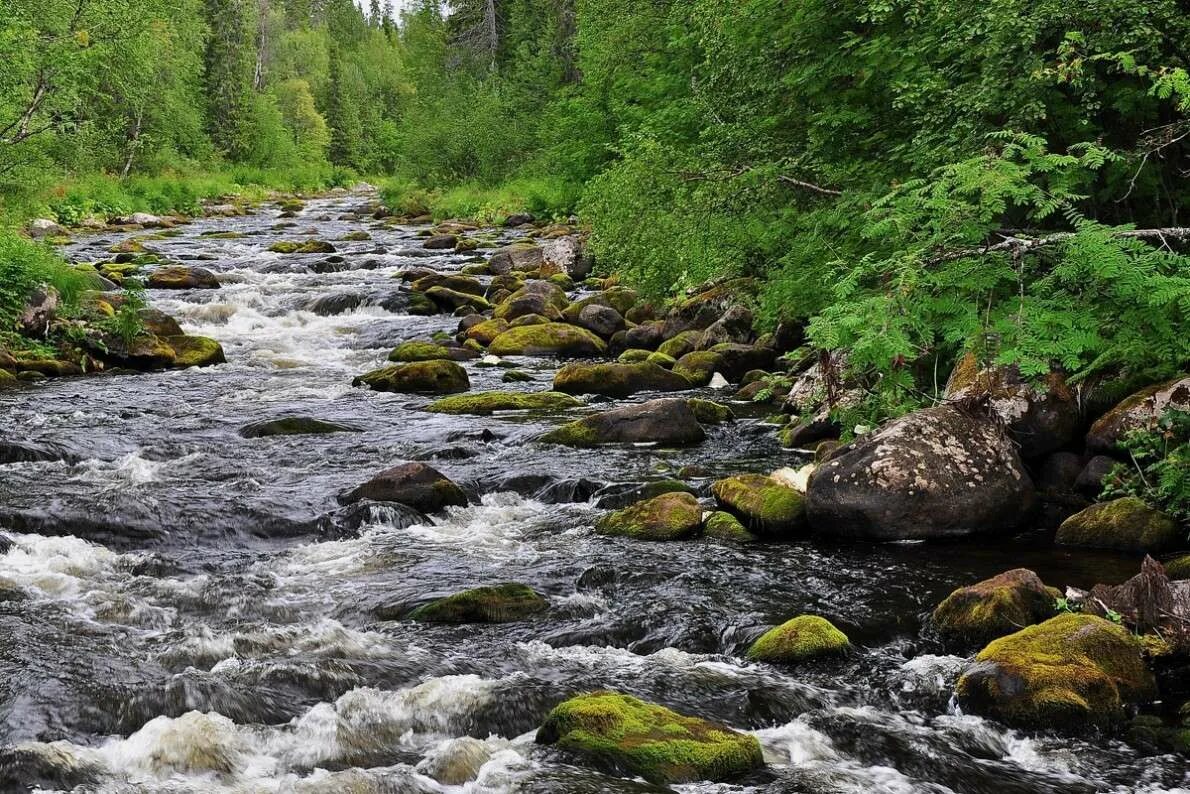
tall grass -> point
(544, 196)
(26, 265)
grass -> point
(25, 265)
(544, 196)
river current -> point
(174, 616)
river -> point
(175, 618)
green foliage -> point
(126, 324)
(1159, 472)
(24, 266)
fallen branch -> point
(1022, 245)
(723, 176)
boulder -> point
(441, 242)
(645, 336)
(935, 473)
(667, 421)
(337, 303)
(698, 367)
(518, 219)
(620, 495)
(1091, 479)
(144, 352)
(307, 247)
(699, 312)
(725, 526)
(678, 345)
(450, 281)
(738, 360)
(1069, 672)
(979, 613)
(503, 603)
(671, 516)
(429, 351)
(763, 504)
(419, 377)
(413, 484)
(181, 277)
(487, 331)
(195, 351)
(454, 299)
(617, 380)
(802, 639)
(520, 256)
(1125, 524)
(549, 339)
(734, 327)
(39, 311)
(709, 412)
(566, 253)
(627, 735)
(1041, 416)
(293, 426)
(159, 323)
(41, 228)
(1178, 569)
(602, 320)
(487, 403)
(536, 297)
(1141, 411)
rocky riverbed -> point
(260, 575)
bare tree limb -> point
(1022, 245)
(723, 176)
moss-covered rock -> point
(681, 344)
(699, 366)
(453, 299)
(487, 331)
(419, 377)
(1068, 672)
(550, 339)
(428, 351)
(195, 351)
(633, 355)
(617, 380)
(1141, 411)
(1178, 568)
(307, 247)
(293, 426)
(487, 403)
(1152, 735)
(662, 360)
(979, 613)
(181, 277)
(764, 505)
(804, 638)
(536, 297)
(666, 421)
(528, 319)
(671, 516)
(503, 603)
(356, 237)
(1126, 524)
(450, 281)
(625, 734)
(710, 412)
(725, 526)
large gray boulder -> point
(666, 421)
(936, 473)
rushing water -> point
(175, 618)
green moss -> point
(562, 281)
(634, 356)
(699, 367)
(454, 299)
(573, 434)
(502, 603)
(803, 638)
(516, 376)
(486, 403)
(616, 380)
(293, 426)
(762, 503)
(355, 237)
(680, 345)
(1178, 568)
(420, 377)
(223, 235)
(419, 351)
(1070, 671)
(662, 359)
(725, 526)
(648, 740)
(995, 607)
(1127, 524)
(196, 351)
(671, 516)
(308, 247)
(450, 281)
(486, 331)
(547, 339)
(709, 412)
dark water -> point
(171, 619)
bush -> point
(25, 265)
(1159, 473)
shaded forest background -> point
(908, 180)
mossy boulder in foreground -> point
(763, 504)
(1126, 524)
(631, 736)
(1068, 672)
(671, 516)
(488, 402)
(547, 339)
(502, 603)
(1008, 602)
(196, 351)
(617, 380)
(419, 377)
(667, 421)
(804, 638)
(725, 526)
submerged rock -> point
(502, 603)
(666, 421)
(765, 505)
(348, 520)
(804, 638)
(1126, 524)
(548, 339)
(979, 613)
(1068, 672)
(487, 403)
(293, 426)
(671, 516)
(939, 472)
(617, 380)
(419, 377)
(414, 484)
(629, 735)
